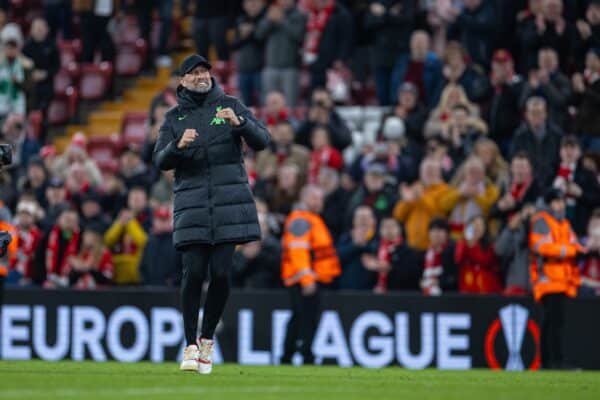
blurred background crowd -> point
(434, 128)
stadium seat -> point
(130, 58)
(103, 147)
(127, 31)
(70, 51)
(63, 107)
(67, 76)
(95, 80)
(134, 128)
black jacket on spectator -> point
(45, 57)
(213, 202)
(336, 40)
(557, 93)
(583, 45)
(340, 134)
(475, 30)
(475, 83)
(530, 197)
(262, 272)
(250, 50)
(531, 41)
(354, 275)
(334, 211)
(504, 113)
(283, 40)
(391, 33)
(588, 114)
(589, 200)
(407, 269)
(160, 264)
(543, 154)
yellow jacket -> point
(416, 215)
(127, 245)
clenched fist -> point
(188, 137)
(228, 115)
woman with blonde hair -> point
(496, 168)
(452, 95)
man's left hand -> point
(229, 115)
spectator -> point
(512, 247)
(548, 82)
(282, 30)
(336, 198)
(390, 239)
(547, 29)
(586, 89)
(283, 192)
(452, 95)
(540, 139)
(211, 21)
(390, 22)
(155, 122)
(504, 95)
(412, 113)
(590, 270)
(438, 148)
(76, 153)
(474, 28)
(10, 256)
(95, 17)
(36, 180)
(127, 237)
(56, 196)
(91, 211)
(478, 266)
(351, 248)
(323, 154)
(322, 112)
(276, 110)
(419, 203)
(469, 197)
(46, 61)
(15, 70)
(463, 131)
(144, 10)
(328, 40)
(439, 270)
(522, 189)
(281, 150)
(580, 186)
(160, 264)
(525, 20)
(373, 193)
(92, 267)
(61, 243)
(496, 168)
(58, 13)
(250, 51)
(162, 191)
(257, 264)
(422, 67)
(166, 97)
(458, 70)
(588, 32)
(133, 171)
(28, 239)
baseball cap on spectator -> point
(91, 195)
(56, 183)
(393, 128)
(409, 87)
(502, 56)
(192, 62)
(553, 194)
(376, 169)
(47, 151)
(439, 223)
(162, 212)
(569, 141)
(11, 34)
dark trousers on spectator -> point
(197, 261)
(144, 10)
(213, 31)
(383, 77)
(58, 17)
(249, 84)
(552, 325)
(302, 325)
(96, 37)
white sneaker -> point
(205, 358)
(190, 358)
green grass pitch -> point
(87, 380)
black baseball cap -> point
(553, 194)
(192, 62)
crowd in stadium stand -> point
(434, 128)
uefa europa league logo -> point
(514, 321)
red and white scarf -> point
(384, 253)
(432, 271)
(315, 25)
(566, 172)
(28, 242)
(54, 265)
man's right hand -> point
(188, 137)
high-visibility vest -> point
(13, 247)
(308, 251)
(553, 246)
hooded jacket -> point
(212, 199)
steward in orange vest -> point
(308, 259)
(554, 272)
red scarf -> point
(54, 265)
(384, 253)
(281, 116)
(568, 174)
(432, 271)
(325, 157)
(28, 242)
(518, 190)
(315, 25)
(104, 266)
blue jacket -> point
(432, 78)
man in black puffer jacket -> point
(201, 139)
